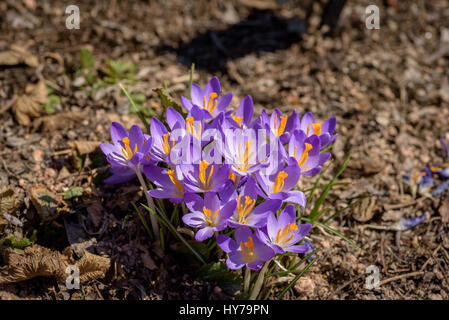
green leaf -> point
(339, 234)
(191, 73)
(136, 109)
(15, 243)
(163, 219)
(87, 58)
(315, 213)
(167, 100)
(292, 283)
(73, 192)
(228, 280)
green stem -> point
(247, 280)
(150, 202)
(259, 281)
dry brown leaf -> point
(10, 200)
(45, 202)
(17, 55)
(365, 210)
(148, 262)
(57, 121)
(29, 106)
(84, 147)
(3, 223)
(92, 267)
(444, 211)
(37, 261)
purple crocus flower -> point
(128, 153)
(323, 131)
(306, 150)
(243, 118)
(204, 176)
(169, 183)
(246, 249)
(243, 153)
(163, 143)
(279, 126)
(209, 99)
(246, 212)
(283, 234)
(208, 214)
(279, 184)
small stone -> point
(38, 155)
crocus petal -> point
(234, 263)
(242, 234)
(108, 148)
(223, 102)
(136, 137)
(246, 110)
(186, 103)
(196, 94)
(204, 234)
(256, 265)
(298, 248)
(118, 132)
(226, 243)
(174, 118)
(193, 219)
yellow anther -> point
(127, 152)
(166, 144)
(244, 210)
(247, 156)
(284, 232)
(191, 128)
(202, 172)
(280, 130)
(171, 174)
(238, 120)
(249, 252)
(231, 175)
(279, 182)
(316, 128)
(208, 214)
(212, 103)
(305, 154)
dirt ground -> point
(388, 88)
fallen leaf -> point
(73, 192)
(444, 210)
(47, 204)
(365, 210)
(57, 121)
(148, 262)
(29, 106)
(10, 200)
(37, 261)
(94, 210)
(17, 55)
(84, 147)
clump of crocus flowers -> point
(229, 170)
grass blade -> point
(292, 283)
(175, 232)
(314, 214)
(136, 110)
(339, 234)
